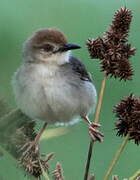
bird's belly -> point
(52, 103)
(63, 103)
(53, 99)
(67, 101)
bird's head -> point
(49, 46)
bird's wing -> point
(79, 68)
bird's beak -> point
(69, 46)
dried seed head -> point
(120, 25)
(96, 48)
(32, 161)
(113, 50)
(128, 114)
(58, 172)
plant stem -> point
(116, 158)
(97, 115)
(135, 175)
(88, 160)
(101, 95)
(44, 173)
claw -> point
(95, 125)
(95, 137)
(96, 131)
(34, 145)
(95, 134)
(92, 137)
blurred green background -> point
(79, 20)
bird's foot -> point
(33, 146)
(95, 134)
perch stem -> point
(116, 158)
(101, 95)
(135, 175)
(88, 160)
(97, 115)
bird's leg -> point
(35, 143)
(37, 138)
(94, 133)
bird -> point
(51, 84)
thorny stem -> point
(116, 158)
(97, 115)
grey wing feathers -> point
(79, 68)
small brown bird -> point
(51, 84)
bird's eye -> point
(47, 47)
